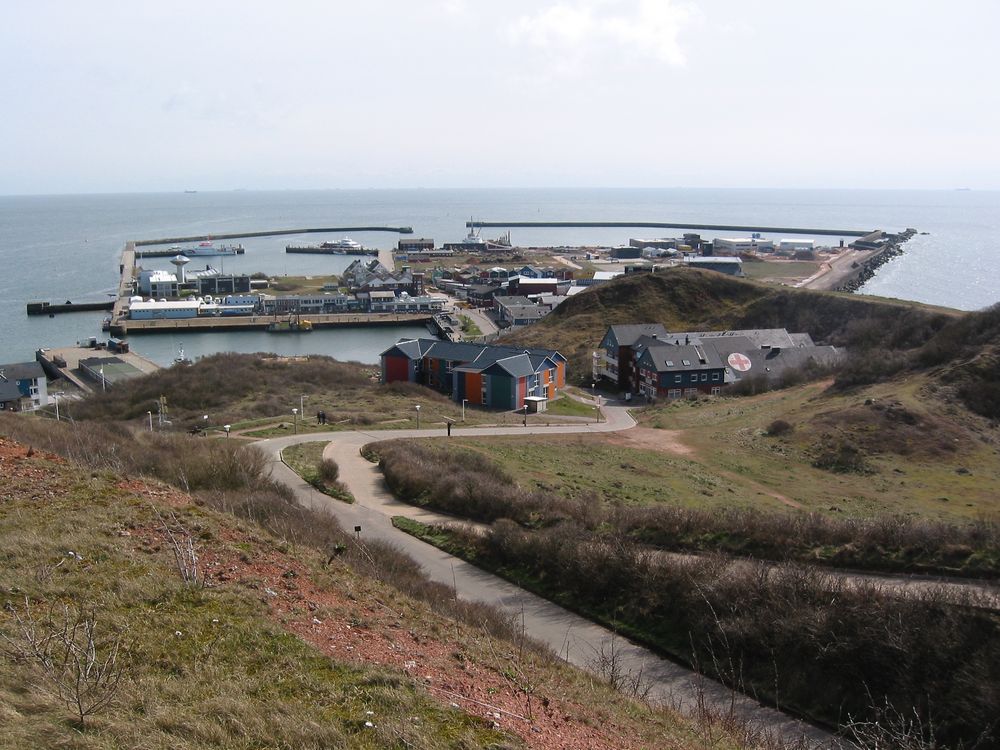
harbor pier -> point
(666, 225)
(262, 322)
(271, 233)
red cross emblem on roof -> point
(739, 362)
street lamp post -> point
(464, 402)
(204, 423)
(418, 416)
(302, 406)
(525, 407)
(295, 420)
(150, 415)
(57, 394)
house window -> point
(716, 390)
(674, 393)
(678, 378)
(715, 376)
(704, 377)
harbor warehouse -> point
(498, 377)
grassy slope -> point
(246, 662)
(208, 667)
(237, 389)
(686, 299)
(716, 454)
(927, 454)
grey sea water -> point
(61, 248)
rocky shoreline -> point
(867, 269)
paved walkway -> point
(574, 638)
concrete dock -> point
(261, 322)
(65, 363)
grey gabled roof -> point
(9, 391)
(22, 371)
(527, 311)
(518, 366)
(412, 348)
(474, 357)
(626, 335)
(513, 299)
(759, 337)
(726, 345)
(670, 358)
(772, 363)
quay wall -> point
(269, 233)
(46, 308)
(667, 225)
(261, 322)
(866, 270)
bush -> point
(826, 647)
(842, 457)
(779, 427)
(328, 471)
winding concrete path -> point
(574, 638)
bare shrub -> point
(609, 664)
(182, 545)
(83, 668)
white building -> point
(157, 283)
(162, 310)
(737, 245)
(791, 246)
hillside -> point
(257, 639)
(688, 299)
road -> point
(572, 637)
(833, 272)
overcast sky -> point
(104, 96)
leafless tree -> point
(82, 667)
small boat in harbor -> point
(203, 249)
(345, 246)
(294, 324)
(180, 359)
(209, 249)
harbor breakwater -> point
(867, 269)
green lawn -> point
(304, 460)
(469, 327)
(564, 406)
